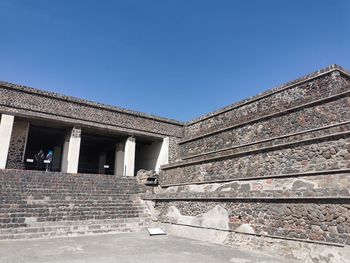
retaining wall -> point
(275, 166)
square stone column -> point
(129, 156)
(71, 151)
(101, 162)
(6, 126)
(119, 159)
(163, 157)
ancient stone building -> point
(270, 172)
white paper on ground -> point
(155, 231)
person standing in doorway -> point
(48, 160)
(39, 159)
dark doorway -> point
(45, 139)
(147, 153)
(97, 154)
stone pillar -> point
(6, 126)
(163, 157)
(101, 162)
(18, 144)
(71, 150)
(57, 152)
(64, 164)
(129, 156)
(119, 159)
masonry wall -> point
(15, 159)
(29, 102)
(306, 129)
(275, 165)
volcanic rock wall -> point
(17, 145)
(276, 165)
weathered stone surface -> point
(317, 116)
(38, 204)
(38, 103)
(15, 158)
(301, 251)
(302, 157)
(300, 139)
(276, 102)
(142, 175)
(302, 220)
(332, 185)
(174, 149)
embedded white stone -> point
(246, 229)
(216, 218)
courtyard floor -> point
(124, 248)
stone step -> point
(63, 215)
(42, 203)
(65, 189)
(68, 191)
(68, 211)
(66, 204)
(69, 208)
(20, 221)
(28, 198)
(21, 215)
(66, 179)
(107, 188)
(30, 203)
(58, 192)
(64, 198)
(55, 175)
(75, 228)
(4, 196)
(8, 207)
(47, 182)
(39, 204)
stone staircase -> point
(38, 204)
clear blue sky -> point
(174, 58)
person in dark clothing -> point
(48, 161)
(39, 159)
